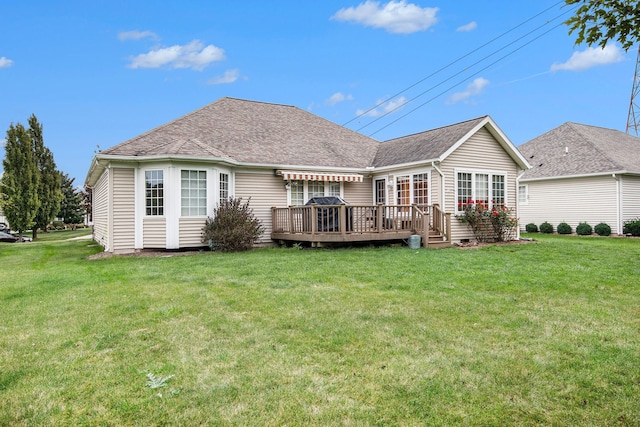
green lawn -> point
(546, 333)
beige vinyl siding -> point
(154, 233)
(630, 190)
(266, 190)
(100, 206)
(480, 152)
(123, 209)
(571, 200)
(359, 193)
(191, 232)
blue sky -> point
(97, 73)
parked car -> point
(6, 237)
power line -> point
(456, 61)
(465, 79)
(467, 68)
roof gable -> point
(574, 149)
(438, 144)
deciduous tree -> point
(599, 21)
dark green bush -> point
(564, 228)
(632, 227)
(233, 227)
(584, 229)
(547, 228)
(531, 228)
(602, 229)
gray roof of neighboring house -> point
(255, 133)
(428, 145)
(575, 149)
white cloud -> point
(474, 88)
(337, 98)
(136, 35)
(229, 76)
(591, 57)
(5, 62)
(394, 16)
(192, 55)
(383, 107)
(468, 27)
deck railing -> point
(361, 219)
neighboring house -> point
(156, 190)
(581, 173)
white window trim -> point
(526, 194)
(392, 185)
(207, 172)
(473, 172)
(305, 191)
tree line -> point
(33, 192)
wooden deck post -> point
(292, 228)
(425, 229)
(379, 217)
(448, 227)
(343, 219)
(314, 219)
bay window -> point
(193, 192)
(487, 188)
(154, 192)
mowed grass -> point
(546, 333)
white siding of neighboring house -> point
(100, 207)
(123, 210)
(265, 190)
(630, 190)
(358, 193)
(571, 200)
(481, 152)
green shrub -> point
(564, 228)
(602, 229)
(232, 228)
(632, 227)
(531, 228)
(584, 229)
(489, 224)
(547, 228)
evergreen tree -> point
(19, 184)
(49, 192)
(71, 206)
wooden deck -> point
(319, 224)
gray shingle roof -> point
(257, 133)
(576, 149)
(426, 145)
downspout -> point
(618, 207)
(518, 201)
(442, 187)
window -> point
(224, 186)
(316, 189)
(421, 189)
(403, 196)
(193, 192)
(381, 185)
(497, 187)
(523, 194)
(297, 193)
(301, 191)
(333, 189)
(154, 193)
(476, 187)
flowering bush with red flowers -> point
(494, 223)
